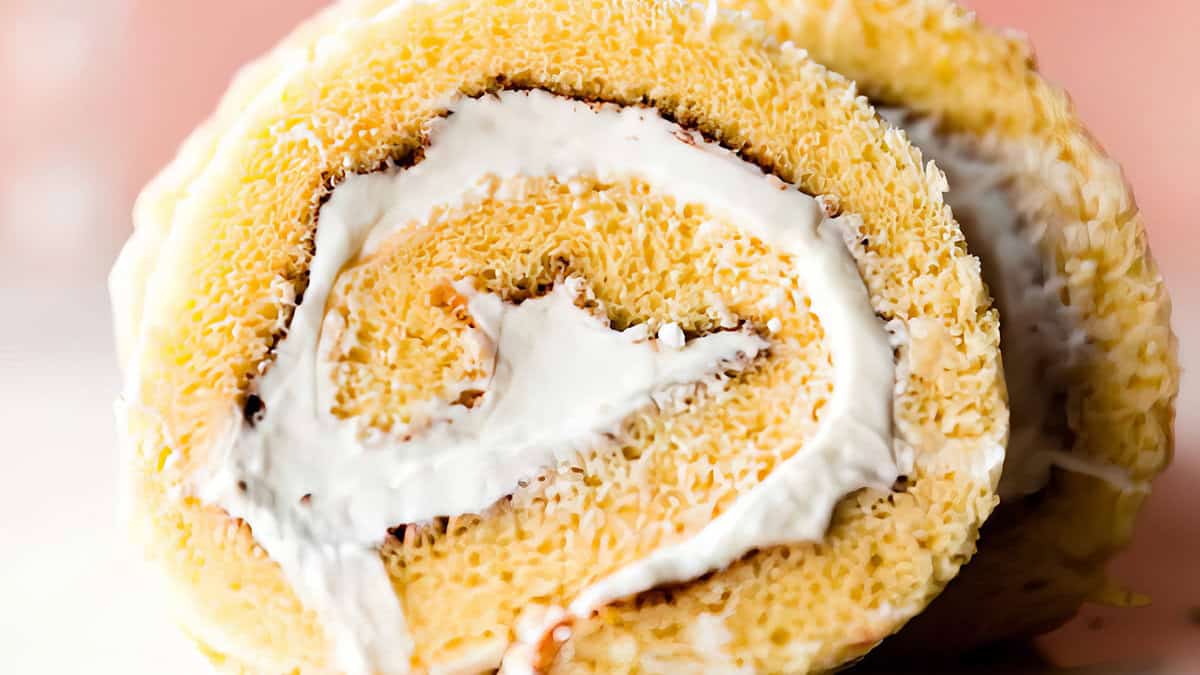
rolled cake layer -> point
(572, 337)
(1089, 358)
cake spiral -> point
(1089, 358)
(543, 336)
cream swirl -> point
(320, 499)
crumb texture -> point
(219, 263)
(1043, 556)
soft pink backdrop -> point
(98, 94)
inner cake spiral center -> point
(555, 379)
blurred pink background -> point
(99, 93)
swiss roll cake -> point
(546, 336)
(1089, 358)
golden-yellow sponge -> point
(974, 100)
(220, 260)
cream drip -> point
(320, 499)
(1041, 337)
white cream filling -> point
(1040, 335)
(320, 500)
